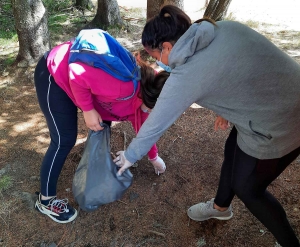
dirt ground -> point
(153, 211)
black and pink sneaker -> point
(58, 210)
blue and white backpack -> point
(99, 49)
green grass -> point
(55, 23)
(62, 19)
(9, 60)
(5, 182)
(54, 6)
(58, 12)
(8, 32)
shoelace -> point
(61, 204)
(206, 205)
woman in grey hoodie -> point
(239, 74)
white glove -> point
(122, 162)
(159, 165)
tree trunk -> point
(178, 3)
(206, 3)
(108, 14)
(153, 6)
(217, 9)
(32, 30)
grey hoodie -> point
(241, 76)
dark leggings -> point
(248, 178)
(61, 116)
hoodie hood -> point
(197, 37)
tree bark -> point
(32, 30)
(178, 3)
(217, 9)
(108, 14)
(153, 6)
(206, 3)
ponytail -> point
(147, 77)
(206, 19)
(168, 26)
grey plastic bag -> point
(95, 181)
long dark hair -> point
(168, 26)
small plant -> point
(201, 242)
(5, 182)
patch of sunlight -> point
(127, 43)
(195, 106)
(80, 140)
(2, 120)
(33, 122)
(4, 83)
(44, 130)
(3, 142)
(284, 41)
(294, 53)
(21, 127)
(42, 139)
(114, 124)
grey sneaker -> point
(204, 211)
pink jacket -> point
(92, 88)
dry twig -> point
(138, 214)
(157, 233)
(122, 202)
(113, 155)
(65, 231)
(132, 19)
(125, 140)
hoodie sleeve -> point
(140, 118)
(172, 102)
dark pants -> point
(61, 116)
(248, 178)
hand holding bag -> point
(96, 181)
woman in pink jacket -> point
(61, 89)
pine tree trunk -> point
(178, 3)
(217, 9)
(153, 6)
(32, 29)
(108, 14)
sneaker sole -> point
(54, 219)
(218, 218)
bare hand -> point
(221, 123)
(92, 120)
